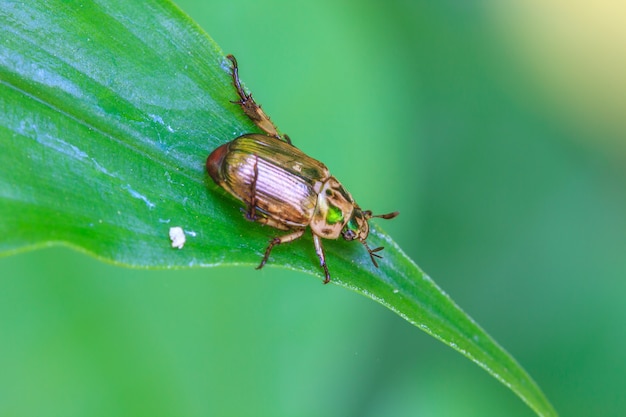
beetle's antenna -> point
(368, 215)
(372, 252)
(387, 216)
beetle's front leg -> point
(251, 109)
(319, 249)
(277, 241)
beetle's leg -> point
(276, 224)
(319, 249)
(251, 109)
(372, 252)
(277, 241)
(251, 211)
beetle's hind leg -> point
(251, 109)
(251, 209)
(250, 212)
(277, 241)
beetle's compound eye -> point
(351, 229)
(348, 234)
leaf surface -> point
(107, 114)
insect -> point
(284, 188)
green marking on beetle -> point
(287, 194)
(334, 215)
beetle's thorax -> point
(334, 209)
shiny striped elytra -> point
(284, 188)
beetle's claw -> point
(235, 74)
(249, 215)
(275, 241)
(246, 215)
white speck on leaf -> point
(177, 236)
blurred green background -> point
(497, 129)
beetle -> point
(284, 188)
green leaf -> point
(107, 114)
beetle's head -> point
(358, 228)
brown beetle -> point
(284, 188)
